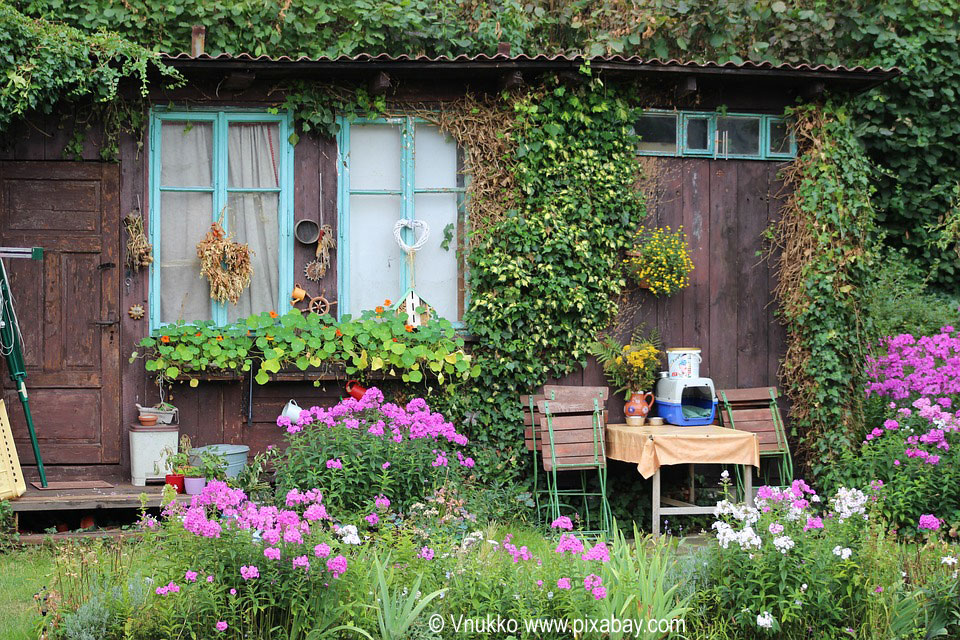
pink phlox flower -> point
(322, 550)
(597, 552)
(563, 522)
(775, 528)
(599, 593)
(372, 519)
(382, 502)
(272, 553)
(249, 573)
(569, 542)
(222, 626)
(591, 581)
(316, 512)
(426, 553)
(563, 583)
(337, 566)
(385, 466)
(302, 562)
(334, 463)
(190, 576)
(813, 523)
(929, 522)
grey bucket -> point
(235, 455)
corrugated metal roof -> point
(521, 58)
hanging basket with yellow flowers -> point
(660, 260)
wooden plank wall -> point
(727, 311)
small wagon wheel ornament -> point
(320, 305)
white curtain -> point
(251, 217)
(186, 161)
(253, 163)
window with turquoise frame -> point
(740, 136)
(394, 169)
(232, 166)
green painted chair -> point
(756, 410)
(572, 432)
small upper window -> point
(702, 134)
(658, 133)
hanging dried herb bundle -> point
(225, 263)
(139, 251)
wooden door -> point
(67, 306)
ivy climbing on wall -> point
(543, 280)
(829, 244)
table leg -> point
(655, 511)
(748, 484)
(693, 481)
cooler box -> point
(687, 402)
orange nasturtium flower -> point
(164, 339)
(408, 327)
(386, 302)
(220, 338)
(379, 310)
(339, 333)
(198, 334)
(273, 314)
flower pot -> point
(148, 419)
(175, 480)
(637, 408)
(194, 486)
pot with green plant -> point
(632, 367)
(177, 461)
(212, 466)
(193, 480)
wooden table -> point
(652, 447)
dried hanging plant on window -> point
(316, 269)
(225, 263)
(139, 251)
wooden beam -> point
(813, 90)
(511, 81)
(686, 87)
(380, 84)
(238, 81)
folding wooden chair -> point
(572, 432)
(534, 433)
(756, 410)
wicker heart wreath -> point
(417, 226)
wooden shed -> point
(714, 138)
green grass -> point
(22, 574)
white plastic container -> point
(684, 362)
(146, 451)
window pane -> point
(698, 134)
(741, 136)
(374, 157)
(436, 267)
(252, 219)
(435, 158)
(253, 150)
(375, 259)
(779, 137)
(186, 152)
(184, 219)
(658, 133)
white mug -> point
(292, 411)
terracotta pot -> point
(637, 408)
(148, 420)
(355, 390)
(175, 480)
(194, 486)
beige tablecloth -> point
(651, 447)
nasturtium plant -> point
(267, 343)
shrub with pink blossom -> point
(912, 445)
(369, 447)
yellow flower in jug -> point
(631, 367)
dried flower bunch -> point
(139, 251)
(225, 263)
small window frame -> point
(678, 131)
(713, 149)
(710, 151)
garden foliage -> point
(360, 448)
(913, 446)
(828, 242)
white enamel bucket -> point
(684, 362)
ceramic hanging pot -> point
(637, 408)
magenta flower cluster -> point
(372, 416)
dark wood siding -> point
(727, 311)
